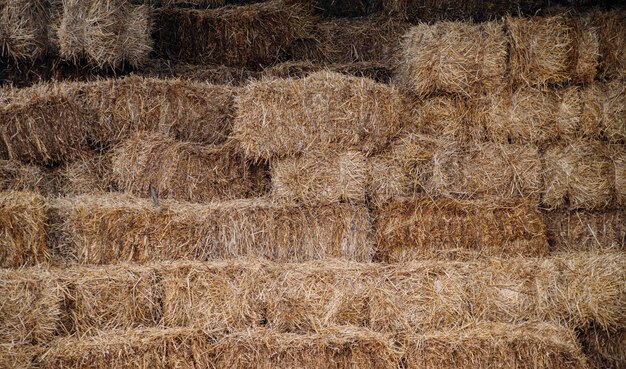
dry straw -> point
(445, 228)
(289, 116)
(184, 171)
(346, 8)
(23, 29)
(452, 57)
(16, 176)
(586, 230)
(617, 153)
(323, 177)
(108, 229)
(108, 33)
(238, 36)
(604, 348)
(215, 74)
(89, 174)
(378, 71)
(604, 110)
(23, 241)
(18, 356)
(612, 39)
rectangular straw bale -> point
(323, 177)
(23, 234)
(586, 230)
(86, 175)
(17, 176)
(612, 41)
(106, 229)
(136, 348)
(604, 348)
(215, 74)
(337, 347)
(18, 356)
(446, 116)
(378, 71)
(107, 33)
(216, 295)
(23, 26)
(249, 36)
(30, 306)
(452, 57)
(386, 180)
(617, 153)
(580, 175)
(289, 116)
(604, 110)
(496, 346)
(426, 228)
(112, 297)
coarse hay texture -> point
(496, 345)
(612, 41)
(106, 229)
(188, 110)
(106, 33)
(17, 176)
(580, 175)
(283, 117)
(30, 306)
(323, 177)
(582, 230)
(90, 174)
(215, 74)
(386, 180)
(377, 71)
(23, 234)
(415, 229)
(551, 50)
(618, 156)
(23, 29)
(249, 36)
(452, 57)
(18, 356)
(346, 8)
(604, 110)
(604, 348)
(135, 348)
(336, 347)
(184, 171)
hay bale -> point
(215, 74)
(87, 175)
(496, 345)
(346, 8)
(18, 356)
(444, 117)
(368, 117)
(137, 348)
(612, 41)
(107, 33)
(323, 177)
(452, 57)
(184, 171)
(586, 230)
(238, 36)
(604, 110)
(30, 306)
(337, 347)
(547, 50)
(379, 72)
(580, 175)
(618, 157)
(23, 29)
(23, 218)
(106, 229)
(386, 180)
(426, 228)
(604, 348)
(16, 176)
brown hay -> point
(345, 8)
(612, 40)
(87, 175)
(578, 175)
(215, 74)
(320, 178)
(16, 176)
(106, 229)
(30, 306)
(290, 116)
(23, 28)
(108, 33)
(237, 36)
(605, 348)
(452, 57)
(496, 345)
(585, 230)
(23, 217)
(618, 156)
(184, 171)
(426, 228)
(17, 356)
(379, 72)
(386, 180)
(604, 110)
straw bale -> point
(215, 74)
(496, 345)
(17, 356)
(612, 41)
(184, 171)
(23, 29)
(323, 177)
(23, 217)
(16, 176)
(452, 57)
(578, 175)
(444, 117)
(290, 116)
(337, 347)
(30, 306)
(109, 228)
(107, 33)
(378, 71)
(604, 348)
(87, 175)
(345, 8)
(191, 111)
(386, 180)
(237, 36)
(618, 156)
(604, 110)
(586, 230)
(137, 348)
(426, 228)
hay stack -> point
(612, 39)
(452, 57)
(426, 228)
(23, 29)
(23, 217)
(586, 230)
(87, 175)
(107, 229)
(30, 306)
(184, 171)
(496, 345)
(289, 116)
(108, 33)
(249, 36)
(604, 110)
(16, 176)
(604, 348)
(320, 178)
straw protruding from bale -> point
(18, 356)
(378, 71)
(618, 156)
(604, 110)
(612, 41)
(86, 175)
(23, 29)
(17, 176)
(586, 230)
(215, 74)
(604, 348)
(289, 116)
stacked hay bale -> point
(23, 25)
